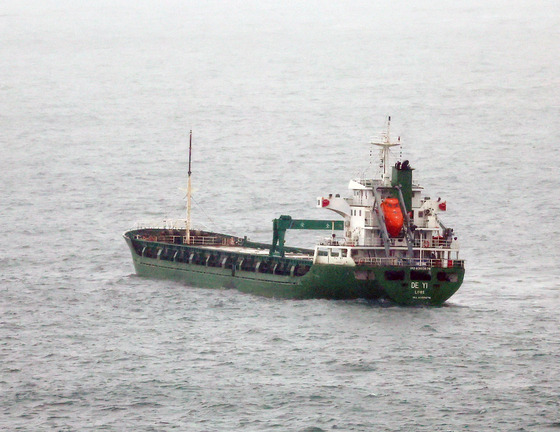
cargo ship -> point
(386, 241)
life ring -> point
(426, 243)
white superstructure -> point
(422, 240)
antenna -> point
(189, 192)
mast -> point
(189, 192)
(385, 144)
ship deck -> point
(254, 251)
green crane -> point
(284, 222)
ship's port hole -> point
(420, 275)
(447, 277)
(364, 274)
(394, 275)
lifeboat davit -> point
(393, 216)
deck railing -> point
(204, 240)
(434, 243)
(405, 262)
(161, 224)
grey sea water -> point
(96, 102)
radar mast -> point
(385, 144)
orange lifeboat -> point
(393, 216)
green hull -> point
(402, 285)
